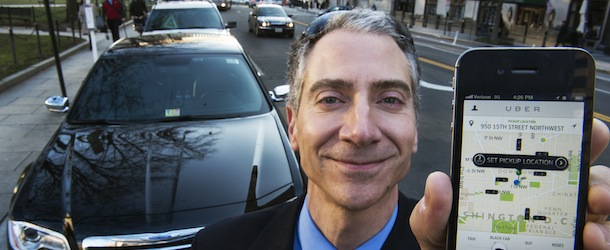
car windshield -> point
(196, 18)
(271, 12)
(152, 88)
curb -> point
(32, 70)
(24, 74)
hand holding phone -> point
(520, 148)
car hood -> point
(206, 31)
(126, 179)
(274, 19)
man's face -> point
(356, 126)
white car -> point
(187, 17)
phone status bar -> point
(526, 97)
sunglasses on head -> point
(317, 26)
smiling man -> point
(352, 114)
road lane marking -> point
(437, 64)
(601, 117)
(435, 86)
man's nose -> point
(359, 124)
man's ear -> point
(292, 128)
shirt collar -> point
(307, 229)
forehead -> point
(356, 57)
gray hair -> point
(357, 20)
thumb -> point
(431, 214)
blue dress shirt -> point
(307, 229)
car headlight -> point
(290, 25)
(265, 24)
(223, 5)
(24, 235)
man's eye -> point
(329, 100)
(390, 100)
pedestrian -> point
(352, 112)
(82, 18)
(138, 10)
(562, 36)
(114, 13)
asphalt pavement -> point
(26, 125)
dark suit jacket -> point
(274, 228)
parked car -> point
(298, 3)
(167, 134)
(334, 8)
(186, 16)
(223, 4)
(270, 19)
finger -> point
(600, 136)
(596, 236)
(599, 194)
(431, 214)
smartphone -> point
(521, 132)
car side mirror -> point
(231, 24)
(280, 93)
(57, 104)
(289, 15)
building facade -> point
(535, 22)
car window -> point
(169, 87)
(165, 19)
(271, 12)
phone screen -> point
(520, 173)
(520, 166)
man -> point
(114, 12)
(352, 115)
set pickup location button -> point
(541, 160)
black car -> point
(334, 8)
(223, 4)
(270, 19)
(167, 134)
(296, 3)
